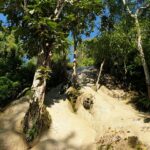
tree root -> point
(36, 120)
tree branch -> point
(142, 7)
(128, 9)
(137, 11)
(59, 7)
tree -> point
(84, 55)
(43, 26)
(37, 26)
(100, 52)
(139, 40)
(82, 21)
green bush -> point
(58, 74)
(86, 62)
(142, 103)
(8, 90)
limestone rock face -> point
(86, 75)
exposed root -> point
(36, 120)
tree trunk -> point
(142, 56)
(37, 118)
(139, 45)
(39, 81)
(99, 75)
(74, 74)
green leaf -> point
(52, 24)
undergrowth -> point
(141, 103)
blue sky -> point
(96, 30)
(3, 18)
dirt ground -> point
(108, 125)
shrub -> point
(8, 90)
(142, 103)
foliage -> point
(8, 90)
(116, 44)
(15, 73)
(141, 103)
(84, 57)
(43, 27)
(59, 70)
(33, 27)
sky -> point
(3, 18)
